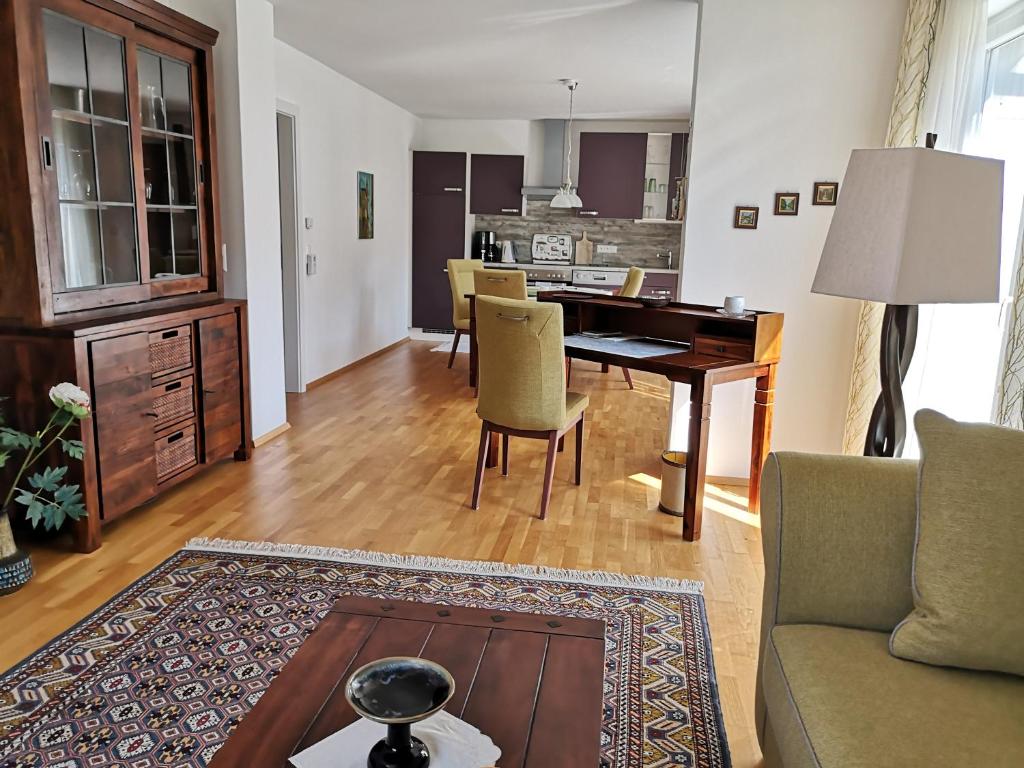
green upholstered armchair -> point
(522, 383)
(838, 535)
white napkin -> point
(453, 743)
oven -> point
(544, 278)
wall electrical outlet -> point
(309, 222)
(607, 249)
(310, 263)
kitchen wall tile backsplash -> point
(638, 244)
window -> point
(975, 332)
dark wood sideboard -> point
(110, 245)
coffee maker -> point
(485, 246)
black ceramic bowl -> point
(655, 301)
(399, 689)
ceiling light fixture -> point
(567, 197)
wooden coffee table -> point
(532, 683)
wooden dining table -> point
(700, 346)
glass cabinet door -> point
(169, 160)
(92, 154)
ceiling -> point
(491, 59)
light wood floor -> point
(381, 458)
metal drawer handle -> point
(510, 210)
(588, 213)
(453, 189)
(720, 348)
(152, 415)
(599, 277)
(516, 318)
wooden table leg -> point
(764, 409)
(697, 455)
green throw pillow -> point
(969, 556)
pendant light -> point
(567, 197)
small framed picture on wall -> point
(826, 192)
(365, 205)
(787, 203)
(746, 217)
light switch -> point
(309, 222)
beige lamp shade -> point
(915, 226)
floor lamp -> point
(912, 226)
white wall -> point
(246, 132)
(784, 91)
(358, 302)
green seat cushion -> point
(968, 573)
(837, 697)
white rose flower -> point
(70, 398)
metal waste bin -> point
(673, 482)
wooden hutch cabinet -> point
(110, 244)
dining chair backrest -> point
(460, 277)
(504, 283)
(521, 363)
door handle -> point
(47, 146)
(453, 189)
(510, 210)
(588, 213)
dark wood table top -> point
(532, 683)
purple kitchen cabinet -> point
(435, 173)
(496, 184)
(611, 175)
(438, 234)
(661, 284)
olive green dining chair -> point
(503, 283)
(522, 384)
(460, 277)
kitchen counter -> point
(591, 267)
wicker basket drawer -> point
(174, 401)
(176, 452)
(170, 350)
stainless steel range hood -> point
(552, 162)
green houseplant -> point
(43, 495)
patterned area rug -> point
(161, 674)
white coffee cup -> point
(734, 305)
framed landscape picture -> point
(826, 192)
(787, 203)
(746, 217)
(365, 205)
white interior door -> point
(290, 249)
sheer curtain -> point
(966, 105)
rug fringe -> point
(444, 564)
